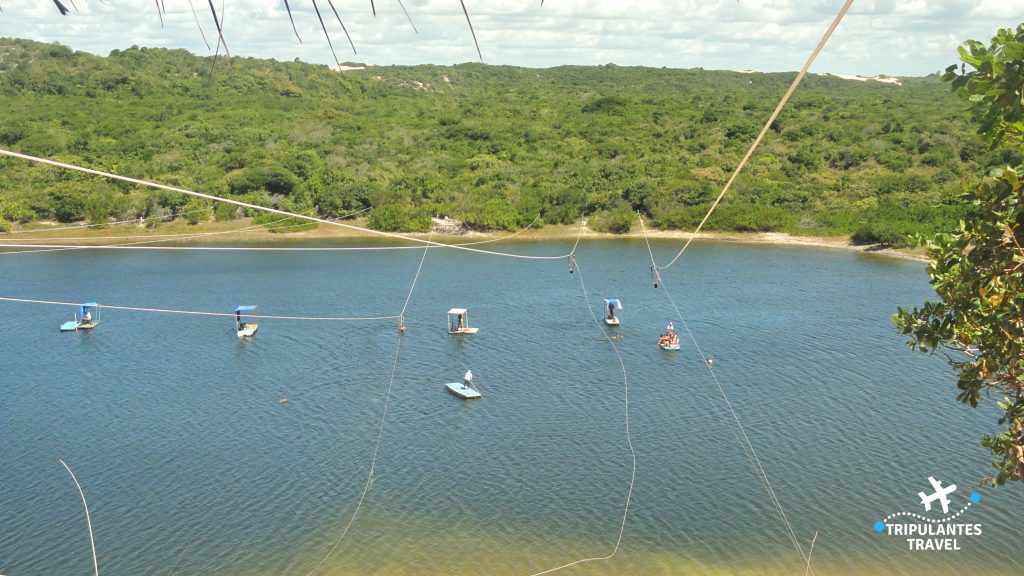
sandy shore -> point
(243, 230)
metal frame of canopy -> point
(458, 322)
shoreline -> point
(242, 230)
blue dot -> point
(975, 497)
(879, 526)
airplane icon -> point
(939, 494)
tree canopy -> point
(978, 270)
(492, 146)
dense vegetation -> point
(977, 270)
(491, 146)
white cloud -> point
(895, 37)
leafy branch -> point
(978, 270)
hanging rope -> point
(126, 245)
(168, 237)
(738, 431)
(767, 125)
(571, 259)
(199, 313)
(136, 245)
(86, 226)
(266, 209)
(380, 429)
(88, 519)
(629, 440)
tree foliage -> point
(492, 146)
(400, 217)
(978, 270)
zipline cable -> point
(764, 130)
(380, 429)
(629, 440)
(200, 313)
(267, 209)
(745, 444)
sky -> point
(895, 38)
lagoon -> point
(191, 465)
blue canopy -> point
(244, 309)
(614, 302)
(87, 306)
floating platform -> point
(669, 346)
(88, 317)
(248, 330)
(458, 322)
(611, 319)
(462, 391)
(72, 325)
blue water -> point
(191, 465)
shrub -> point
(496, 214)
(750, 218)
(400, 218)
(607, 104)
(15, 211)
(339, 200)
(68, 206)
(223, 211)
(278, 224)
(97, 209)
(196, 211)
(270, 177)
(618, 220)
(883, 234)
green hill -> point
(490, 145)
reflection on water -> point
(192, 466)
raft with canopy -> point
(87, 318)
(245, 329)
(458, 322)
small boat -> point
(461, 390)
(612, 303)
(245, 329)
(669, 340)
(88, 317)
(458, 322)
